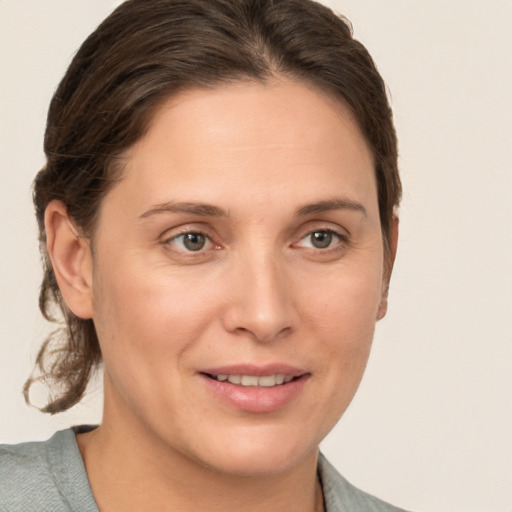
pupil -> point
(321, 239)
(194, 241)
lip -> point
(256, 370)
(255, 399)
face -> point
(237, 276)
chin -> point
(259, 453)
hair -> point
(138, 57)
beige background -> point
(431, 427)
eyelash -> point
(340, 243)
(208, 240)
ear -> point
(71, 259)
(388, 268)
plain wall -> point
(431, 426)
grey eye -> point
(194, 241)
(321, 239)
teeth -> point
(266, 381)
(248, 380)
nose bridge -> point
(261, 304)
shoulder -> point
(25, 475)
(341, 496)
(42, 476)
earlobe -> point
(71, 258)
(388, 267)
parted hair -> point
(139, 56)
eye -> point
(321, 239)
(191, 241)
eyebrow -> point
(209, 210)
(201, 209)
(336, 203)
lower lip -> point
(254, 398)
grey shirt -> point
(50, 476)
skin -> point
(282, 161)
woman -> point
(217, 224)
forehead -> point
(252, 113)
(281, 137)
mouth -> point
(256, 389)
(262, 381)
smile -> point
(265, 381)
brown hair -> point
(145, 52)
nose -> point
(260, 300)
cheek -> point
(148, 314)
(344, 316)
(345, 300)
(347, 333)
(145, 326)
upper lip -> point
(255, 370)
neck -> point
(131, 470)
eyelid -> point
(343, 239)
(166, 239)
(184, 228)
(180, 235)
(172, 234)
